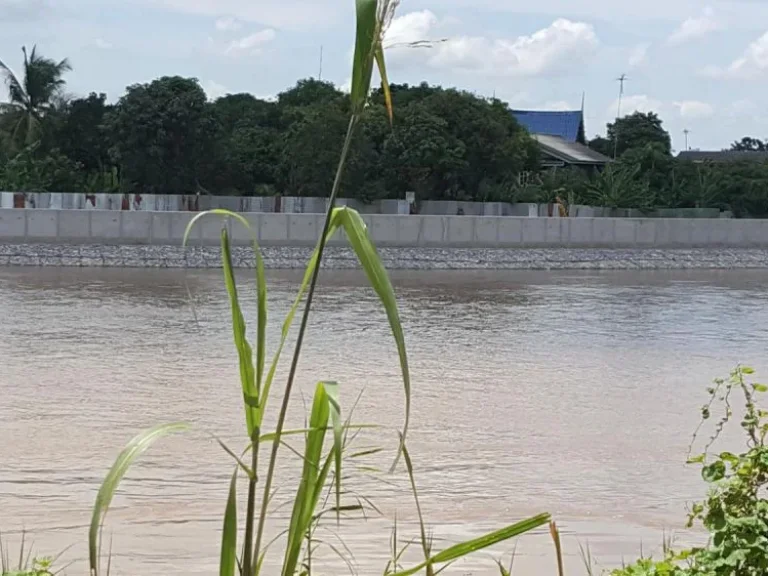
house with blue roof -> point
(561, 138)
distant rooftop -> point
(568, 125)
(572, 153)
(723, 156)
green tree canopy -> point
(634, 131)
(161, 135)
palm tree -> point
(31, 99)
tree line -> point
(167, 137)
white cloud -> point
(638, 56)
(410, 28)
(546, 51)
(102, 44)
(215, 90)
(251, 43)
(694, 109)
(753, 63)
(228, 24)
(635, 103)
(694, 28)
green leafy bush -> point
(735, 512)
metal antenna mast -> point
(621, 79)
(686, 132)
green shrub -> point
(735, 512)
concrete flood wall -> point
(167, 228)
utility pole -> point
(686, 132)
(320, 74)
(621, 79)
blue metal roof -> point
(563, 124)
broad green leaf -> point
(760, 388)
(697, 459)
(365, 45)
(250, 377)
(713, 472)
(492, 538)
(747, 370)
(128, 456)
(228, 561)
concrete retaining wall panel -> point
(486, 232)
(304, 228)
(756, 233)
(409, 232)
(580, 231)
(701, 230)
(74, 224)
(42, 224)
(718, 233)
(461, 230)
(680, 233)
(161, 227)
(105, 225)
(179, 223)
(13, 224)
(384, 231)
(137, 227)
(510, 232)
(434, 230)
(534, 231)
(211, 227)
(625, 232)
(557, 231)
(645, 234)
(274, 229)
(603, 232)
(241, 235)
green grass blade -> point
(128, 456)
(357, 234)
(332, 389)
(228, 562)
(382, 66)
(492, 538)
(365, 43)
(250, 376)
(312, 478)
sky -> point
(701, 65)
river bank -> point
(135, 256)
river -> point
(572, 393)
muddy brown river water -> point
(573, 393)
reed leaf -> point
(128, 456)
(313, 476)
(228, 562)
(250, 376)
(354, 227)
(470, 546)
(365, 46)
(382, 66)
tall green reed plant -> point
(373, 18)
